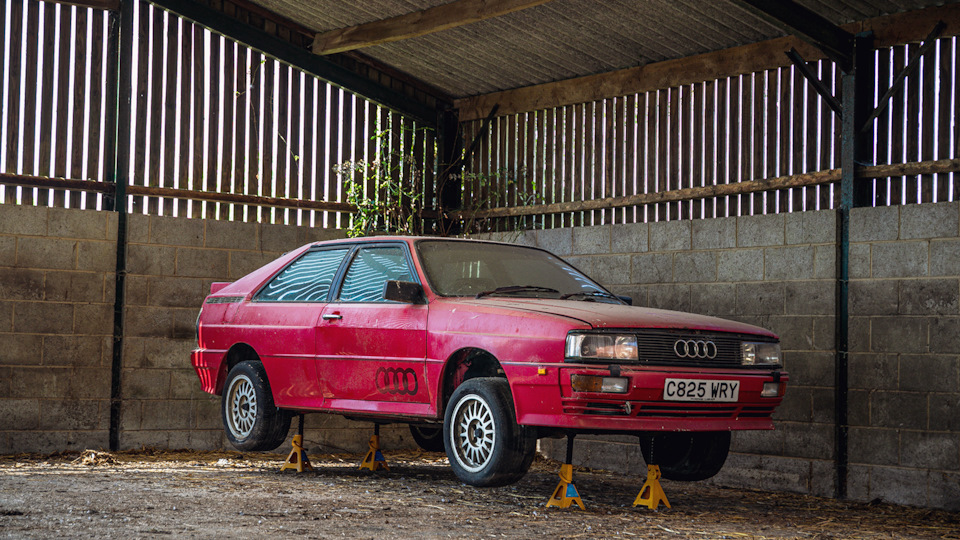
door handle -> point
(331, 316)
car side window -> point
(370, 270)
(308, 279)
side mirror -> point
(404, 292)
(626, 300)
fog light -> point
(595, 383)
(770, 389)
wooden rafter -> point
(419, 23)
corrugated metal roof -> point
(564, 38)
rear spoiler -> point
(217, 285)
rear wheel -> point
(485, 445)
(250, 419)
(427, 437)
(688, 456)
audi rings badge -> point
(402, 381)
(695, 348)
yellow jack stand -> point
(652, 493)
(566, 493)
(374, 460)
(298, 457)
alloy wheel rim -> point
(242, 407)
(474, 434)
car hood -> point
(601, 315)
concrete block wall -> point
(778, 272)
(56, 328)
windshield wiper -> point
(592, 294)
(516, 289)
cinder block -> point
(929, 373)
(943, 412)
(717, 233)
(146, 384)
(53, 253)
(858, 482)
(34, 382)
(591, 240)
(859, 334)
(944, 490)
(185, 324)
(717, 299)
(556, 241)
(244, 262)
(824, 262)
(205, 263)
(629, 238)
(900, 259)
(873, 446)
(945, 335)
(740, 265)
(758, 442)
(811, 227)
(147, 322)
(808, 440)
(305, 235)
(858, 408)
(823, 406)
(77, 351)
(670, 235)
(199, 440)
(824, 333)
(136, 290)
(135, 440)
(925, 450)
(930, 297)
(788, 263)
(899, 485)
(280, 238)
(823, 479)
(84, 383)
(21, 284)
(695, 267)
(944, 257)
(796, 332)
(176, 231)
(73, 287)
(167, 353)
(148, 260)
(874, 224)
(898, 334)
(670, 296)
(208, 412)
(232, 235)
(796, 405)
(860, 261)
(20, 414)
(8, 250)
(23, 220)
(6, 317)
(874, 371)
(652, 268)
(940, 220)
(608, 270)
(47, 442)
(131, 414)
(138, 229)
(760, 298)
(810, 368)
(73, 223)
(756, 231)
(97, 256)
(43, 318)
(184, 383)
(93, 320)
(177, 292)
(73, 415)
(810, 297)
(898, 410)
(874, 297)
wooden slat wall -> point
(209, 115)
(748, 127)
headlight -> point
(759, 353)
(601, 347)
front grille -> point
(666, 410)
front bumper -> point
(552, 402)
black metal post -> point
(449, 177)
(119, 64)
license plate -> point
(701, 390)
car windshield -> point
(456, 268)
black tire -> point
(250, 419)
(689, 456)
(428, 438)
(484, 444)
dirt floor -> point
(205, 495)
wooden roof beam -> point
(808, 25)
(419, 23)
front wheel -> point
(688, 456)
(484, 444)
(250, 419)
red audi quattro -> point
(482, 348)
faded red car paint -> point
(398, 361)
